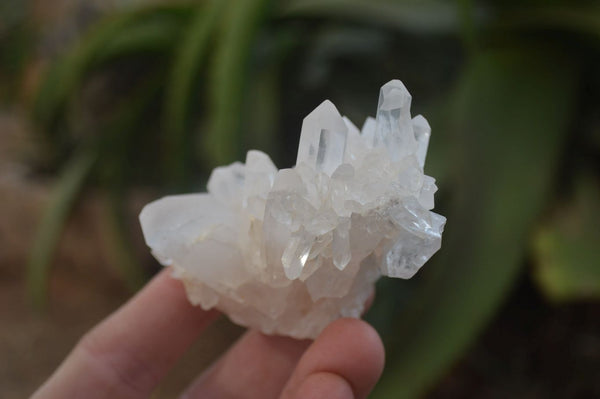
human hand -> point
(129, 353)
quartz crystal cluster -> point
(288, 251)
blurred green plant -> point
(15, 46)
(188, 86)
(67, 187)
(566, 245)
(507, 101)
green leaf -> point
(227, 79)
(147, 35)
(512, 110)
(263, 115)
(123, 256)
(119, 142)
(54, 218)
(262, 128)
(565, 248)
(111, 152)
(189, 57)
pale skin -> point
(129, 353)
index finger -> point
(131, 351)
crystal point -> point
(422, 132)
(323, 139)
(394, 129)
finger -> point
(324, 385)
(129, 353)
(345, 361)
(257, 366)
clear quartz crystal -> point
(296, 253)
(340, 247)
(394, 129)
(422, 132)
(288, 251)
(323, 138)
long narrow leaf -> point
(188, 60)
(123, 256)
(513, 109)
(55, 215)
(120, 141)
(144, 36)
(227, 78)
(261, 131)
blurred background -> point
(106, 105)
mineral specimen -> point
(288, 251)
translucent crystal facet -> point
(422, 132)
(288, 251)
(394, 129)
(323, 139)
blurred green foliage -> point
(566, 245)
(508, 99)
(158, 95)
(15, 44)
